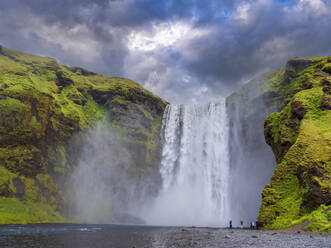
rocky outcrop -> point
(300, 137)
(43, 105)
(294, 104)
(294, 66)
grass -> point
(45, 105)
(318, 220)
(14, 211)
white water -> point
(194, 167)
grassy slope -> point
(42, 104)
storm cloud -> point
(180, 50)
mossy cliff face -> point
(295, 104)
(300, 137)
(42, 106)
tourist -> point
(230, 224)
(241, 224)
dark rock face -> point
(298, 110)
(327, 69)
(20, 188)
(307, 178)
(130, 116)
(325, 82)
(318, 196)
(153, 105)
(326, 99)
(82, 71)
(327, 90)
(293, 67)
(308, 84)
(62, 79)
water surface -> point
(102, 236)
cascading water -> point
(194, 167)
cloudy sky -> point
(181, 50)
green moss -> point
(120, 100)
(11, 104)
(42, 105)
(300, 136)
(311, 100)
(7, 187)
(318, 220)
(20, 159)
(285, 209)
(32, 191)
(59, 170)
(272, 123)
(274, 81)
(45, 180)
(62, 156)
(327, 67)
(13, 211)
(146, 113)
(92, 111)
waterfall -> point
(194, 167)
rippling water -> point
(95, 236)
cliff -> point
(43, 105)
(296, 101)
(300, 137)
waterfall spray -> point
(194, 167)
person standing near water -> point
(241, 224)
(230, 224)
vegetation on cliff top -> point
(42, 104)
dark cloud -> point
(238, 51)
(181, 50)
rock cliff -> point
(296, 101)
(43, 105)
(300, 137)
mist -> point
(214, 166)
(194, 167)
(252, 161)
(103, 189)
